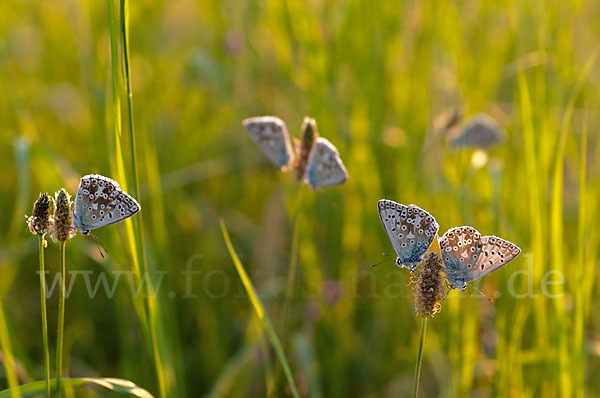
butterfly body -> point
(468, 256)
(410, 230)
(101, 202)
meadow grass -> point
(153, 95)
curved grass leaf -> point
(259, 309)
(118, 385)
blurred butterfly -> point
(468, 256)
(479, 131)
(316, 161)
(271, 136)
(101, 202)
(410, 229)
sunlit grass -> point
(374, 76)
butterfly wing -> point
(101, 202)
(460, 248)
(495, 253)
(325, 167)
(271, 135)
(409, 228)
(468, 256)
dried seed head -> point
(429, 286)
(309, 136)
(40, 220)
(62, 228)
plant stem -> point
(152, 306)
(259, 309)
(293, 264)
(44, 317)
(61, 319)
(419, 358)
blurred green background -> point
(375, 76)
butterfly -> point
(271, 136)
(480, 131)
(316, 161)
(101, 202)
(468, 256)
(410, 229)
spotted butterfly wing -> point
(468, 256)
(325, 167)
(495, 253)
(101, 202)
(271, 135)
(410, 230)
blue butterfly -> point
(410, 229)
(101, 202)
(468, 256)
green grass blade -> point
(150, 313)
(117, 385)
(557, 234)
(579, 319)
(9, 361)
(259, 309)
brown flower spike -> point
(429, 286)
(62, 229)
(309, 137)
(40, 221)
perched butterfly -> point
(271, 135)
(468, 256)
(317, 162)
(480, 131)
(101, 202)
(410, 229)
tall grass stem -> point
(44, 316)
(61, 319)
(419, 358)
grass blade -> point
(149, 312)
(259, 309)
(118, 385)
(8, 358)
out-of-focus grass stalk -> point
(292, 270)
(417, 378)
(44, 315)
(259, 310)
(270, 375)
(224, 384)
(9, 361)
(61, 318)
(293, 265)
(579, 366)
(557, 236)
(537, 234)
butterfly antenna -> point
(99, 245)
(381, 262)
(480, 292)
